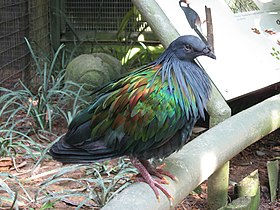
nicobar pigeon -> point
(148, 113)
(193, 19)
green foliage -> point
(140, 54)
(47, 205)
(40, 107)
(130, 47)
(122, 33)
(30, 113)
(13, 142)
(9, 195)
(275, 53)
(238, 6)
(30, 116)
(273, 178)
(99, 185)
(135, 52)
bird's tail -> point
(87, 153)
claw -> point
(146, 170)
(139, 178)
(166, 173)
(158, 171)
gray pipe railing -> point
(204, 155)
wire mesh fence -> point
(93, 20)
(32, 19)
(39, 24)
(39, 33)
(100, 15)
(19, 19)
(13, 27)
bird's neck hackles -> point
(193, 83)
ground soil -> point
(252, 158)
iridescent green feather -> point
(145, 113)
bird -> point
(146, 114)
(193, 19)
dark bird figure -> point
(193, 19)
(148, 113)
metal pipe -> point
(204, 155)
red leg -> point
(158, 171)
(146, 177)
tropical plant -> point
(100, 183)
(39, 108)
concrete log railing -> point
(205, 154)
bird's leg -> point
(158, 171)
(146, 177)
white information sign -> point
(243, 43)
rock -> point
(260, 153)
(93, 70)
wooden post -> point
(55, 23)
(217, 190)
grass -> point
(98, 186)
(33, 117)
(45, 104)
(75, 185)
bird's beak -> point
(208, 52)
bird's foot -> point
(158, 171)
(154, 183)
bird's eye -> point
(187, 47)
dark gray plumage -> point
(148, 113)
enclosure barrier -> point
(204, 155)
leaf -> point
(47, 205)
(273, 177)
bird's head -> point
(189, 47)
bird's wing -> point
(133, 114)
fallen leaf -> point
(5, 164)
